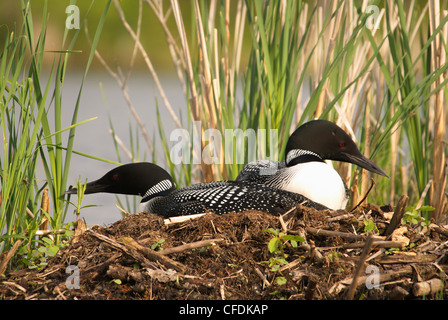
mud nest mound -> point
(365, 254)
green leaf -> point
(52, 250)
(426, 208)
(280, 280)
(273, 245)
(272, 230)
(47, 240)
(292, 237)
(369, 226)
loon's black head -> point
(142, 178)
(324, 140)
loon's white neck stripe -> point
(295, 153)
(163, 185)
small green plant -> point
(47, 248)
(278, 243)
(37, 251)
(80, 189)
(334, 256)
(414, 216)
(277, 246)
(370, 226)
(158, 245)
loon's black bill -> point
(91, 187)
(71, 190)
(365, 163)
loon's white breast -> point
(316, 181)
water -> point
(94, 138)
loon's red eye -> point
(341, 144)
(115, 177)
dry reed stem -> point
(123, 84)
(147, 61)
(360, 267)
(175, 50)
(44, 207)
(186, 58)
(8, 256)
(438, 59)
(208, 84)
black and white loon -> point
(304, 170)
(160, 196)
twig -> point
(9, 255)
(291, 265)
(29, 212)
(282, 220)
(283, 224)
(188, 246)
(418, 259)
(18, 286)
(138, 252)
(121, 144)
(376, 244)
(340, 217)
(221, 291)
(151, 254)
(263, 277)
(125, 212)
(398, 215)
(360, 267)
(423, 195)
(344, 235)
(49, 231)
(365, 196)
(60, 294)
(180, 219)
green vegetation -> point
(80, 188)
(277, 246)
(33, 135)
(375, 73)
(414, 215)
(158, 245)
(370, 226)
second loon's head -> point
(323, 140)
(144, 179)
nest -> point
(225, 257)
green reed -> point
(374, 71)
(30, 95)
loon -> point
(304, 170)
(160, 196)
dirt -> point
(117, 262)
